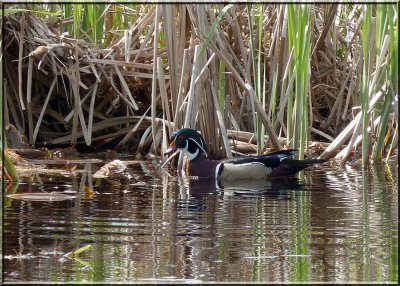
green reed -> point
(255, 21)
(366, 75)
(386, 26)
(299, 38)
(87, 17)
(95, 21)
(77, 16)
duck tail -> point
(290, 167)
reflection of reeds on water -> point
(135, 73)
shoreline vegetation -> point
(321, 78)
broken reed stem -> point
(154, 80)
(191, 93)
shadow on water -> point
(149, 225)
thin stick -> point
(29, 100)
(20, 53)
(38, 123)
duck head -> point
(189, 141)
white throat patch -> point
(191, 156)
(200, 146)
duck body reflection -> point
(276, 187)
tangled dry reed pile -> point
(194, 65)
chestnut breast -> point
(201, 168)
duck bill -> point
(171, 149)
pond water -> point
(150, 225)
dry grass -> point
(168, 69)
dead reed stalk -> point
(217, 68)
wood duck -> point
(279, 163)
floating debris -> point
(116, 166)
(41, 197)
